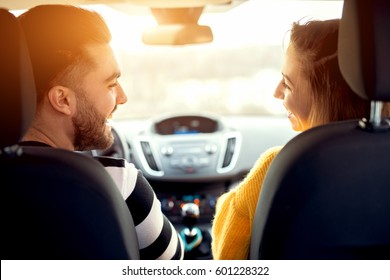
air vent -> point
(230, 150)
(230, 147)
(149, 155)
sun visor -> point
(178, 21)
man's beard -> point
(89, 127)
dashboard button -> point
(189, 161)
(167, 204)
(210, 148)
(167, 151)
(204, 161)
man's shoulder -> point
(33, 144)
(126, 176)
(118, 163)
(111, 161)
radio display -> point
(186, 125)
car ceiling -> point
(131, 7)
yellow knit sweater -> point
(235, 211)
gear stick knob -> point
(190, 214)
(191, 234)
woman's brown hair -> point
(315, 43)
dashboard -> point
(191, 159)
(194, 158)
(187, 148)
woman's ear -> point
(62, 99)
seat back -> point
(327, 193)
(56, 204)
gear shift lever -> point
(191, 234)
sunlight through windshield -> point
(236, 74)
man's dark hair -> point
(56, 37)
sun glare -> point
(236, 73)
(253, 22)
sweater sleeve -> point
(157, 238)
(232, 224)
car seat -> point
(56, 204)
(327, 193)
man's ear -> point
(62, 99)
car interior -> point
(326, 195)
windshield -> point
(236, 74)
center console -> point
(187, 148)
(187, 159)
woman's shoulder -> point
(263, 162)
(273, 150)
(269, 154)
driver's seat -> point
(55, 204)
(327, 193)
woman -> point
(314, 93)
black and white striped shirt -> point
(157, 237)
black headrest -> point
(17, 88)
(364, 47)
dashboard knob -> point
(167, 151)
(167, 204)
(210, 148)
(212, 202)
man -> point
(76, 77)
